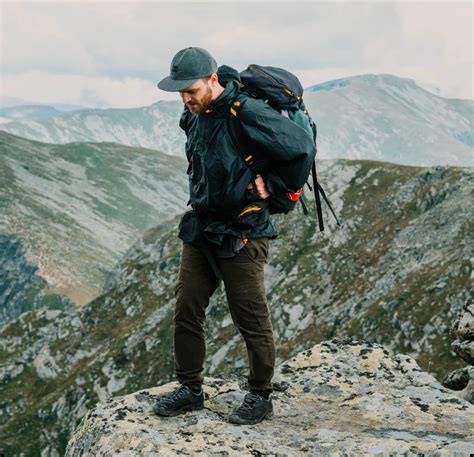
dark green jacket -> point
(218, 174)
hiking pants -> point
(244, 285)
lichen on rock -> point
(338, 396)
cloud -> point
(139, 39)
(92, 91)
(120, 49)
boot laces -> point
(249, 402)
(179, 392)
(176, 394)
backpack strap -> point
(318, 189)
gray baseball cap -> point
(187, 66)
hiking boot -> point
(253, 410)
(179, 400)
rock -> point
(465, 350)
(459, 379)
(468, 392)
(462, 380)
(463, 327)
(339, 397)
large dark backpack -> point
(283, 91)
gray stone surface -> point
(462, 380)
(463, 327)
(465, 350)
(338, 397)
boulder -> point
(465, 350)
(462, 331)
(463, 327)
(339, 396)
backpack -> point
(283, 91)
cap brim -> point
(175, 85)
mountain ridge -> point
(339, 82)
(381, 117)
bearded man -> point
(226, 233)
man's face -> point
(198, 96)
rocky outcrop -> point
(340, 396)
(462, 380)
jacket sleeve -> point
(183, 120)
(289, 148)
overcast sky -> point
(113, 53)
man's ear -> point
(214, 79)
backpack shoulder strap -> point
(239, 139)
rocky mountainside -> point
(376, 117)
(396, 273)
(77, 207)
(154, 127)
(21, 288)
(336, 398)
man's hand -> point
(262, 191)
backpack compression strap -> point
(247, 157)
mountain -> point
(33, 112)
(6, 102)
(383, 117)
(154, 127)
(372, 117)
(77, 207)
(340, 397)
(396, 273)
(67, 107)
(21, 113)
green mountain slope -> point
(396, 273)
(77, 207)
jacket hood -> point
(227, 74)
(230, 79)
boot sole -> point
(240, 421)
(180, 411)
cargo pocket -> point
(257, 250)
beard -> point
(201, 105)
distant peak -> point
(371, 79)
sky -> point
(112, 54)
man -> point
(225, 235)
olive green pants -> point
(244, 285)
